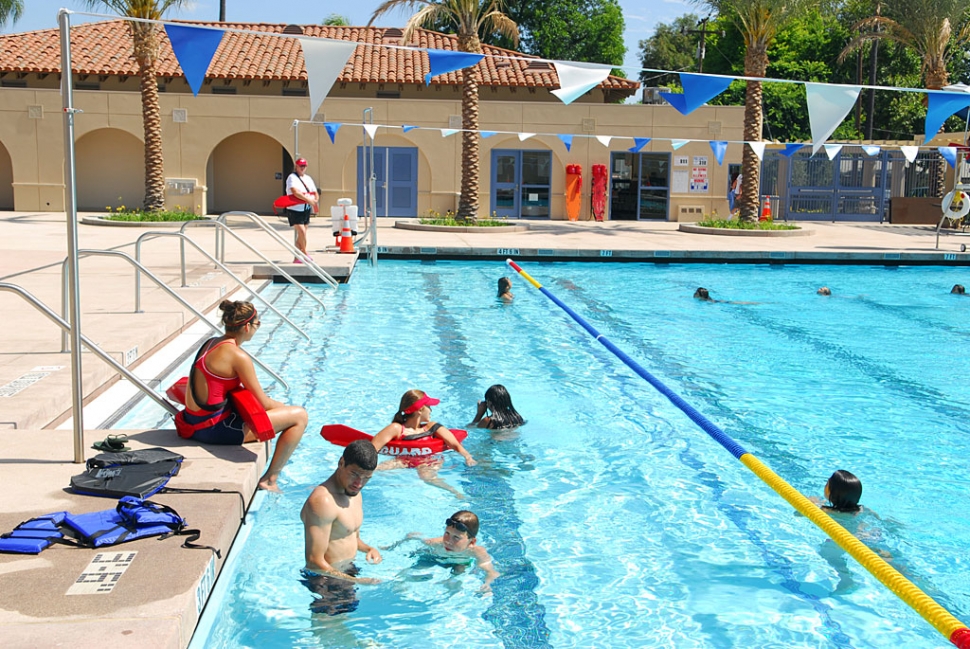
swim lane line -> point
(941, 619)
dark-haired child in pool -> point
(505, 289)
(843, 490)
(496, 411)
(459, 545)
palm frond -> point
(499, 22)
(429, 15)
(395, 5)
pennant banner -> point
(568, 141)
(940, 105)
(827, 107)
(832, 150)
(949, 154)
(324, 61)
(576, 79)
(871, 150)
(718, 147)
(638, 143)
(791, 149)
(604, 139)
(909, 152)
(486, 134)
(332, 128)
(371, 129)
(676, 144)
(447, 132)
(445, 61)
(525, 136)
(408, 127)
(758, 148)
(194, 48)
(698, 90)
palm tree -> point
(468, 17)
(758, 21)
(11, 10)
(144, 36)
(932, 30)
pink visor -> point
(420, 403)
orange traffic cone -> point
(766, 210)
(346, 238)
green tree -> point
(145, 38)
(336, 20)
(758, 21)
(469, 19)
(11, 10)
(670, 48)
(571, 30)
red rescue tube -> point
(243, 401)
(342, 435)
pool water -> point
(614, 520)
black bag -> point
(139, 473)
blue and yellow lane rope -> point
(941, 619)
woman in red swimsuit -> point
(413, 421)
(223, 366)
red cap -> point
(300, 162)
(420, 403)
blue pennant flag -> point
(332, 128)
(940, 105)
(698, 90)
(486, 134)
(567, 140)
(194, 48)
(949, 154)
(408, 127)
(790, 149)
(638, 143)
(445, 61)
(718, 147)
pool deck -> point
(157, 601)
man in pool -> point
(459, 545)
(332, 517)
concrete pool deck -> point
(156, 602)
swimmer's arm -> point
(484, 561)
(479, 413)
(387, 434)
(373, 554)
(449, 438)
(243, 365)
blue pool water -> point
(614, 520)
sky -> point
(641, 16)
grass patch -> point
(737, 224)
(480, 223)
(153, 217)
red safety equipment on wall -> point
(598, 193)
(574, 191)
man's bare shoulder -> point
(320, 503)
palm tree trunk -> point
(755, 65)
(468, 203)
(145, 38)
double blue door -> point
(521, 183)
(396, 170)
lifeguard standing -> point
(300, 185)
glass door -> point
(639, 186)
(396, 174)
(521, 183)
(506, 166)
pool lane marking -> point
(941, 619)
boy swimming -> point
(459, 546)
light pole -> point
(702, 45)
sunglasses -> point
(256, 323)
(458, 525)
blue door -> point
(521, 183)
(396, 171)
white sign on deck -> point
(101, 575)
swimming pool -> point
(613, 519)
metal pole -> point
(70, 208)
(372, 198)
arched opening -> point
(246, 172)
(110, 170)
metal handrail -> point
(309, 263)
(220, 265)
(217, 225)
(165, 287)
(97, 351)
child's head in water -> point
(461, 531)
(843, 490)
(504, 286)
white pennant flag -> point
(604, 139)
(324, 60)
(676, 144)
(576, 79)
(371, 129)
(758, 148)
(446, 132)
(827, 107)
(832, 150)
(525, 136)
(909, 152)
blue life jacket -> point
(133, 518)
